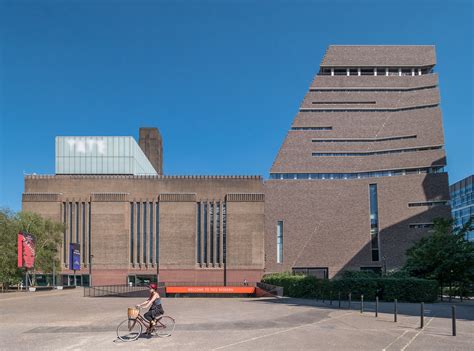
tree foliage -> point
(9, 273)
(446, 256)
(48, 241)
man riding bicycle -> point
(154, 302)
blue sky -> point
(222, 80)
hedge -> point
(406, 289)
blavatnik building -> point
(359, 177)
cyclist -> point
(154, 301)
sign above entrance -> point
(210, 290)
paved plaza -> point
(65, 320)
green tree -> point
(9, 272)
(48, 241)
(446, 256)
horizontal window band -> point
(368, 109)
(363, 140)
(375, 153)
(311, 128)
(420, 225)
(356, 175)
(342, 102)
(428, 203)
(372, 89)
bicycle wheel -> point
(164, 326)
(129, 330)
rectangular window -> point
(353, 72)
(64, 234)
(70, 223)
(393, 72)
(224, 232)
(279, 241)
(77, 222)
(374, 222)
(205, 232)
(151, 233)
(218, 228)
(90, 234)
(198, 230)
(83, 232)
(367, 71)
(138, 232)
(157, 248)
(211, 232)
(145, 209)
(131, 231)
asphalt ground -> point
(65, 320)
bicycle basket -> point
(133, 312)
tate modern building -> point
(358, 179)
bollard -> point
(395, 311)
(422, 315)
(350, 300)
(361, 303)
(339, 296)
(376, 306)
(330, 297)
(453, 317)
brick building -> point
(133, 223)
(359, 177)
(360, 174)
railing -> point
(115, 290)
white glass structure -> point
(101, 155)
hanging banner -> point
(74, 257)
(26, 250)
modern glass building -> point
(101, 155)
(462, 202)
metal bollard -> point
(361, 303)
(453, 317)
(395, 310)
(339, 296)
(376, 306)
(350, 300)
(422, 315)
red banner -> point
(26, 250)
(210, 289)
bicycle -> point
(131, 328)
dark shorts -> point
(154, 312)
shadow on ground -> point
(464, 310)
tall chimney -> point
(152, 145)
